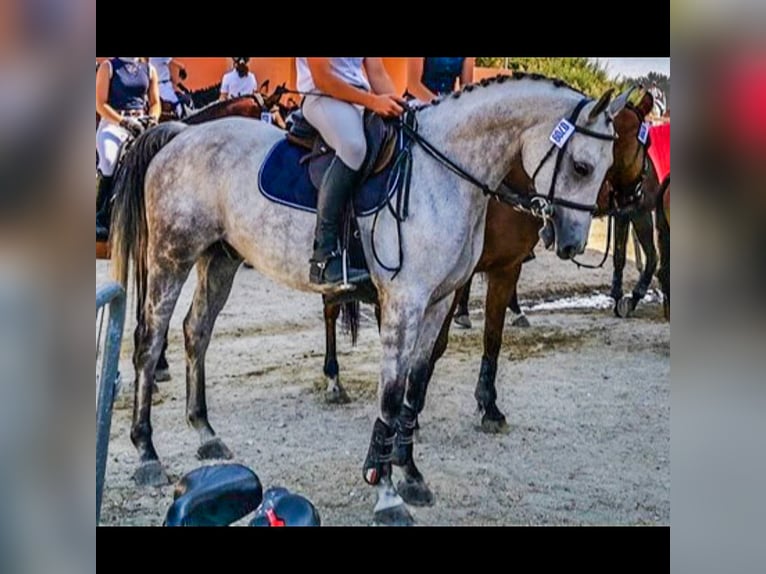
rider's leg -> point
(341, 125)
(109, 138)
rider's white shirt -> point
(348, 69)
(235, 86)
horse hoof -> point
(151, 474)
(162, 375)
(394, 516)
(415, 492)
(337, 396)
(494, 426)
(214, 449)
(521, 321)
(624, 307)
(463, 321)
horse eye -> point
(582, 169)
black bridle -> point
(625, 198)
(539, 204)
(533, 202)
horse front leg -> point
(413, 488)
(621, 227)
(334, 393)
(401, 320)
(502, 283)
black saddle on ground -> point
(216, 495)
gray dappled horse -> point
(189, 197)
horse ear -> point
(601, 105)
(619, 103)
(646, 104)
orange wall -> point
(205, 72)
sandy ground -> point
(587, 397)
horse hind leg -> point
(164, 284)
(461, 316)
(215, 275)
(334, 393)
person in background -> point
(659, 100)
(125, 88)
(170, 72)
(238, 82)
(428, 78)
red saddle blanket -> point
(659, 151)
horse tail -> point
(129, 231)
(350, 319)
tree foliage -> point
(663, 83)
(586, 75)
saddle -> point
(379, 134)
(216, 495)
(381, 137)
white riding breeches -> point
(109, 139)
(341, 124)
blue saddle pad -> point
(283, 180)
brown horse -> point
(636, 197)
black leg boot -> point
(103, 208)
(327, 263)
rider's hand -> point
(388, 105)
(133, 125)
(150, 122)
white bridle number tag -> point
(561, 133)
(643, 133)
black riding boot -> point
(338, 184)
(103, 207)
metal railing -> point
(113, 295)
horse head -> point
(272, 100)
(570, 158)
(625, 177)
